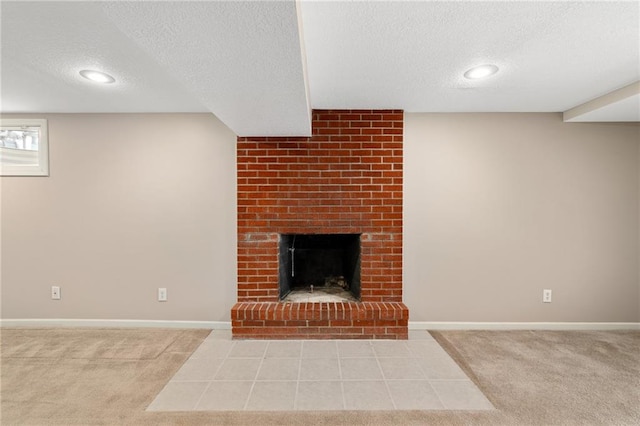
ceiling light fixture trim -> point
(97, 76)
(481, 71)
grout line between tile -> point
(255, 378)
(319, 380)
(437, 395)
(206, 388)
(212, 379)
(386, 384)
(295, 399)
(344, 398)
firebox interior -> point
(318, 262)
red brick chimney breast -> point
(344, 179)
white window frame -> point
(40, 169)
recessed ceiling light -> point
(481, 71)
(97, 76)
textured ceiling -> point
(411, 55)
(261, 66)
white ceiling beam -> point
(618, 106)
(242, 60)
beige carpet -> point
(109, 376)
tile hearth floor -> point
(312, 375)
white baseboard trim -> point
(430, 325)
(226, 325)
(109, 323)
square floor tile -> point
(355, 349)
(319, 396)
(319, 369)
(238, 369)
(219, 335)
(401, 368)
(391, 348)
(366, 395)
(222, 395)
(279, 369)
(198, 369)
(178, 396)
(319, 349)
(272, 396)
(441, 367)
(213, 349)
(284, 349)
(414, 395)
(360, 369)
(248, 349)
(426, 348)
(419, 335)
(461, 395)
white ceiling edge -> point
(305, 71)
(622, 105)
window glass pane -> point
(23, 147)
(20, 145)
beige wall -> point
(499, 207)
(134, 202)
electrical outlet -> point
(546, 296)
(55, 292)
(162, 295)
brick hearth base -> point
(327, 320)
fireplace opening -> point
(319, 267)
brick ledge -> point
(323, 320)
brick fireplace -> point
(346, 179)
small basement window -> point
(24, 147)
